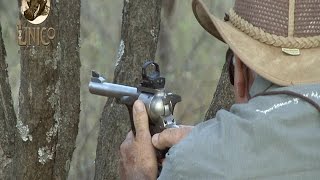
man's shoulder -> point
(268, 130)
(281, 102)
(193, 157)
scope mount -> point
(153, 80)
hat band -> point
(272, 39)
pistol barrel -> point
(112, 90)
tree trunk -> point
(223, 98)
(165, 46)
(7, 118)
(139, 37)
(49, 97)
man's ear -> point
(240, 81)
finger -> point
(122, 166)
(129, 136)
(121, 169)
(140, 119)
(126, 143)
(170, 137)
(123, 148)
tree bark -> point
(165, 46)
(139, 37)
(49, 97)
(223, 97)
(7, 118)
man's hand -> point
(169, 137)
(137, 155)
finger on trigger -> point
(170, 137)
(161, 140)
(155, 141)
(140, 119)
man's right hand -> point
(169, 137)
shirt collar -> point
(261, 85)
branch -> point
(7, 118)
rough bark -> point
(223, 97)
(139, 36)
(165, 47)
(7, 118)
(49, 97)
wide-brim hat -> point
(278, 39)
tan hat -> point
(278, 39)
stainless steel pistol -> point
(158, 102)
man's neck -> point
(261, 85)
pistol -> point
(158, 102)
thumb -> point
(169, 137)
(140, 119)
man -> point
(275, 132)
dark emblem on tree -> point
(36, 8)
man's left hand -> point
(137, 154)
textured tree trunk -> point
(49, 97)
(7, 118)
(139, 37)
(165, 47)
(223, 98)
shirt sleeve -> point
(210, 150)
(193, 157)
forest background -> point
(190, 60)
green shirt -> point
(270, 137)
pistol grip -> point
(130, 107)
(161, 154)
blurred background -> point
(189, 58)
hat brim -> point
(266, 60)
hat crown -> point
(295, 18)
